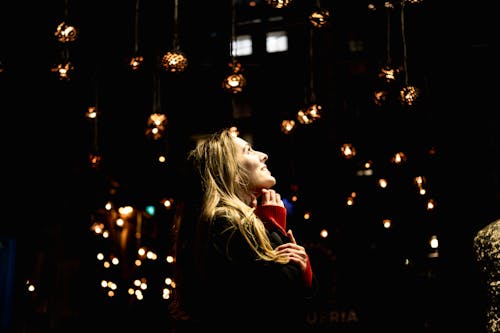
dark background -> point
(51, 191)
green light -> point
(150, 210)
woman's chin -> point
(270, 183)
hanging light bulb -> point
(348, 150)
(136, 62)
(137, 59)
(387, 73)
(287, 126)
(409, 94)
(312, 111)
(399, 158)
(380, 97)
(63, 70)
(310, 114)
(66, 33)
(303, 118)
(157, 122)
(320, 18)
(174, 60)
(95, 160)
(235, 81)
(279, 3)
(156, 125)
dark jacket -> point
(240, 293)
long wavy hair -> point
(223, 184)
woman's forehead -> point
(240, 142)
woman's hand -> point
(296, 253)
(270, 197)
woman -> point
(238, 267)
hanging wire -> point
(174, 60)
(66, 11)
(136, 27)
(387, 72)
(156, 93)
(311, 67)
(176, 25)
(65, 54)
(136, 60)
(312, 111)
(235, 81)
(233, 28)
(409, 94)
(388, 34)
(96, 119)
(403, 36)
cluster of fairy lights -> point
(408, 94)
(122, 231)
(312, 110)
(119, 228)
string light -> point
(65, 34)
(63, 70)
(234, 82)
(348, 150)
(157, 121)
(387, 73)
(137, 59)
(408, 94)
(313, 110)
(175, 60)
(156, 125)
(319, 17)
(94, 156)
(279, 3)
(287, 126)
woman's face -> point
(254, 162)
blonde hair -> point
(224, 183)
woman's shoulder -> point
(228, 240)
(222, 224)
